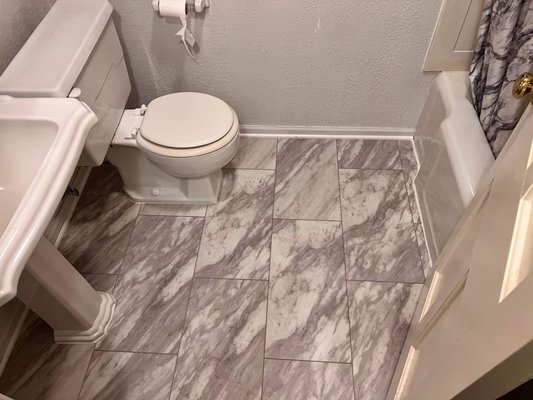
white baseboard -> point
(327, 132)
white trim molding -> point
(454, 37)
(327, 132)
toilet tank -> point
(75, 52)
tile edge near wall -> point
(327, 132)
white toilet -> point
(171, 151)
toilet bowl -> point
(173, 150)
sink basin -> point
(40, 143)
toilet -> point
(171, 151)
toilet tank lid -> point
(50, 62)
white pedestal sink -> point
(40, 143)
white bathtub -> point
(453, 156)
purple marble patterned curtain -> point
(504, 50)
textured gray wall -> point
(308, 62)
(278, 62)
(18, 19)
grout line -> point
(154, 353)
(117, 279)
(406, 183)
(269, 264)
(384, 281)
(229, 279)
(86, 372)
(173, 375)
(371, 169)
(172, 215)
(99, 273)
(307, 219)
(309, 361)
(346, 280)
(183, 329)
(251, 169)
(119, 272)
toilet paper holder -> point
(199, 5)
(181, 9)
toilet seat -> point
(186, 120)
(145, 144)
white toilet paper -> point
(178, 8)
(173, 8)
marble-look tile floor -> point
(299, 284)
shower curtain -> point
(504, 50)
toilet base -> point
(144, 182)
(205, 190)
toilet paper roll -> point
(178, 8)
(173, 8)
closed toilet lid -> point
(186, 120)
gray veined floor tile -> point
(40, 369)
(98, 233)
(303, 380)
(176, 210)
(307, 180)
(410, 169)
(379, 237)
(236, 238)
(128, 376)
(308, 307)
(371, 154)
(255, 153)
(380, 314)
(221, 354)
(154, 285)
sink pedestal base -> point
(57, 293)
(97, 331)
